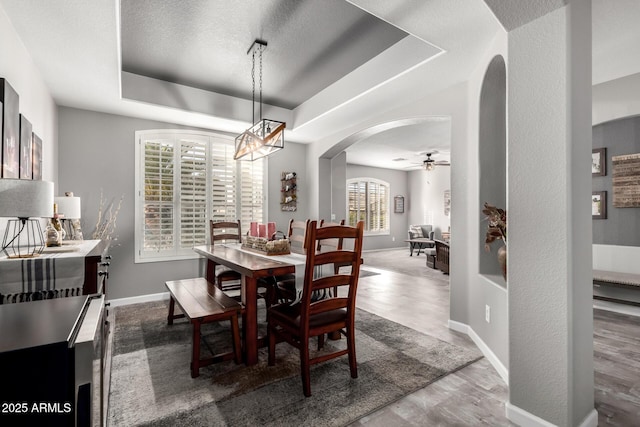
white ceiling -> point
(79, 48)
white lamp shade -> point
(68, 207)
(20, 198)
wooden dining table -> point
(252, 267)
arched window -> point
(368, 201)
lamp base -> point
(23, 238)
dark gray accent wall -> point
(622, 226)
(96, 151)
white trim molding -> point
(484, 348)
(137, 300)
(526, 419)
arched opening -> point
(492, 156)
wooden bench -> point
(202, 302)
(616, 279)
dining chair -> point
(226, 231)
(309, 318)
(297, 235)
(283, 288)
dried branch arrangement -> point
(106, 222)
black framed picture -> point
(37, 158)
(599, 162)
(599, 205)
(10, 130)
(398, 204)
(26, 148)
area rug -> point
(151, 382)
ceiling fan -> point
(430, 163)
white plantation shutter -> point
(252, 192)
(193, 193)
(368, 201)
(157, 195)
(184, 179)
(223, 182)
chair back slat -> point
(324, 305)
(297, 236)
(225, 231)
(330, 279)
(325, 245)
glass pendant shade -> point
(264, 138)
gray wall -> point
(339, 187)
(289, 159)
(622, 226)
(96, 151)
(398, 221)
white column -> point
(549, 184)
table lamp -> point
(25, 200)
(69, 210)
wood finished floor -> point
(476, 395)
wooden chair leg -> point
(305, 368)
(320, 341)
(172, 307)
(271, 336)
(235, 333)
(351, 346)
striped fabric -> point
(51, 275)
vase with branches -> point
(107, 217)
(496, 230)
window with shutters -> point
(184, 179)
(368, 201)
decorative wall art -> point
(599, 162)
(10, 131)
(26, 148)
(289, 198)
(599, 205)
(398, 204)
(37, 157)
(447, 202)
(626, 181)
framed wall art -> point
(398, 204)
(26, 148)
(37, 158)
(599, 205)
(626, 181)
(599, 162)
(10, 131)
(447, 202)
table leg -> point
(211, 271)
(172, 306)
(195, 349)
(250, 319)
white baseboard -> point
(484, 348)
(136, 300)
(526, 419)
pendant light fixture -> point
(266, 136)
